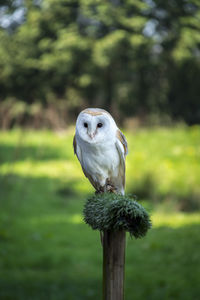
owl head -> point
(95, 125)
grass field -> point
(47, 252)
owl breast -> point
(101, 162)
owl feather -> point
(101, 149)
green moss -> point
(110, 211)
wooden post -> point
(113, 214)
(113, 264)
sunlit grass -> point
(175, 220)
(57, 218)
(48, 252)
(161, 163)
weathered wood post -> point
(113, 215)
(114, 243)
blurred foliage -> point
(46, 250)
(133, 58)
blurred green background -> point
(48, 252)
(135, 58)
(140, 60)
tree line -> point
(134, 58)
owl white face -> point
(94, 125)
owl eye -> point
(99, 125)
(85, 125)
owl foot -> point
(110, 187)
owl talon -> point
(106, 188)
(109, 188)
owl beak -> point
(91, 135)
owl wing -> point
(77, 151)
(121, 138)
(122, 148)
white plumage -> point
(101, 149)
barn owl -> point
(101, 149)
